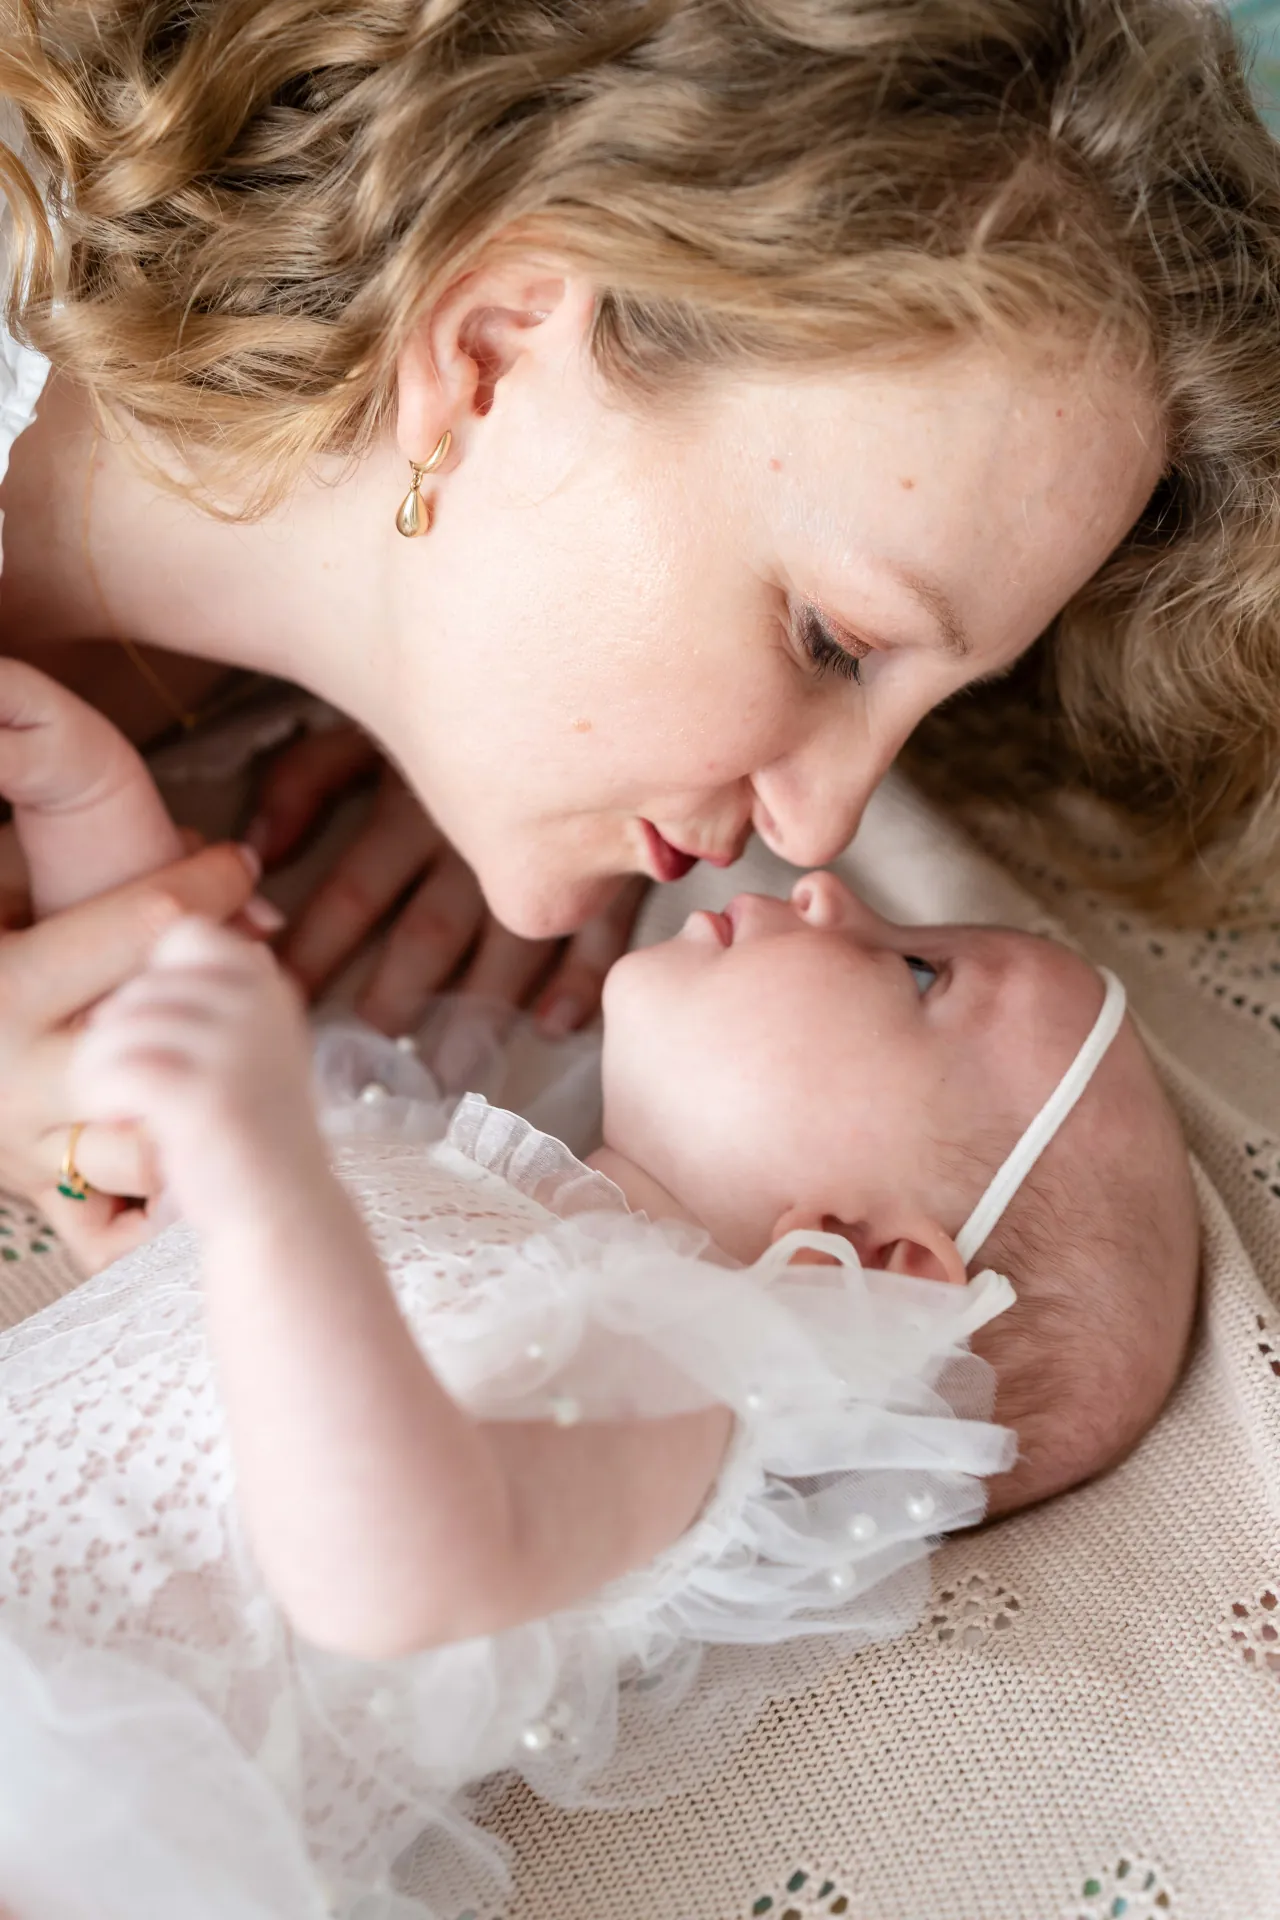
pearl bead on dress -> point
(920, 1506)
(862, 1528)
(372, 1094)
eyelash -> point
(843, 656)
(914, 960)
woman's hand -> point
(49, 975)
(442, 934)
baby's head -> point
(805, 1063)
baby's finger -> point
(197, 945)
(425, 945)
(374, 872)
(297, 783)
(572, 995)
(126, 1020)
(56, 968)
(138, 1078)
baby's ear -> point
(928, 1252)
(903, 1242)
(804, 1220)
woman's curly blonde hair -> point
(255, 200)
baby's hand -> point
(87, 812)
(209, 1049)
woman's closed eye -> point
(923, 972)
(831, 649)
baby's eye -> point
(922, 973)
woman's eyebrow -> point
(929, 594)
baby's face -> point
(808, 1057)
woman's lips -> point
(670, 862)
(666, 862)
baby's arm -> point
(385, 1518)
(86, 810)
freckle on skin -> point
(775, 465)
(906, 483)
(582, 726)
(1059, 413)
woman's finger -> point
(52, 970)
(116, 1158)
(503, 975)
(299, 780)
(506, 968)
(377, 868)
(424, 947)
(97, 1229)
(572, 995)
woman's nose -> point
(807, 808)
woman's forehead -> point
(938, 500)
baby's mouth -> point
(721, 924)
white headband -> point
(990, 1210)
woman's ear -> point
(450, 368)
(904, 1242)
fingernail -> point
(559, 1016)
(251, 857)
(263, 914)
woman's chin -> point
(538, 911)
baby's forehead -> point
(1026, 1006)
(1037, 975)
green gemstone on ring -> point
(73, 1193)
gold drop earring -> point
(414, 514)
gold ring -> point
(71, 1182)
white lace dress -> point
(169, 1747)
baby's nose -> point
(821, 900)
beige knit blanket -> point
(1086, 1722)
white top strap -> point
(990, 1210)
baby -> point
(500, 1434)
